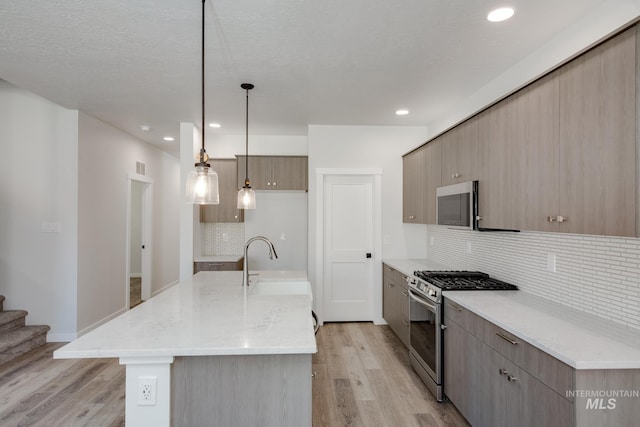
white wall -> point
(282, 218)
(106, 156)
(227, 146)
(38, 181)
(369, 147)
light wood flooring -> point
(362, 378)
(135, 291)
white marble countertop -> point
(206, 314)
(578, 339)
(218, 258)
(408, 266)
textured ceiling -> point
(135, 62)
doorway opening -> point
(139, 220)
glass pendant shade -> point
(246, 198)
(202, 186)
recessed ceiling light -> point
(145, 128)
(402, 112)
(501, 14)
(214, 125)
(168, 138)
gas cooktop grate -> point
(463, 280)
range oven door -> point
(426, 340)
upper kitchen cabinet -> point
(518, 149)
(274, 172)
(421, 174)
(460, 153)
(414, 175)
(227, 210)
(598, 140)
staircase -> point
(16, 338)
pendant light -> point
(202, 182)
(246, 195)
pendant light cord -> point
(203, 128)
(246, 126)
(247, 87)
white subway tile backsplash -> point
(223, 238)
(600, 275)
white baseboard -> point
(153, 294)
(135, 275)
(61, 337)
(101, 322)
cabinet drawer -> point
(217, 266)
(390, 274)
(458, 314)
(542, 366)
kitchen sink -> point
(285, 287)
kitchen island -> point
(209, 352)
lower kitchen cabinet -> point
(395, 302)
(218, 266)
(491, 389)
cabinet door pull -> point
(511, 378)
(455, 175)
(551, 219)
(405, 323)
(454, 307)
(405, 293)
(561, 218)
(412, 217)
(510, 341)
(502, 371)
(275, 183)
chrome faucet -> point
(272, 255)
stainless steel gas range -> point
(425, 318)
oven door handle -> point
(431, 306)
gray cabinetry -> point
(414, 175)
(598, 140)
(218, 265)
(226, 210)
(421, 176)
(556, 156)
(518, 156)
(274, 172)
(395, 302)
(495, 380)
(460, 153)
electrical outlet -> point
(551, 262)
(147, 390)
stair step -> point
(1, 302)
(22, 340)
(11, 319)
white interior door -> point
(348, 246)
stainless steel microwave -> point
(457, 205)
